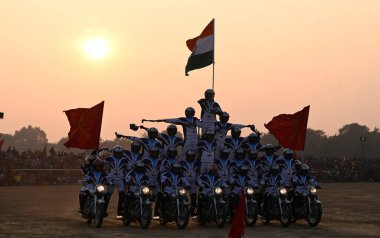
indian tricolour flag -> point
(202, 48)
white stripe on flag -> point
(204, 45)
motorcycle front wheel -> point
(146, 217)
(314, 219)
(251, 214)
(99, 215)
(286, 215)
(183, 216)
(220, 219)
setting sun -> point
(96, 48)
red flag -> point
(1, 143)
(290, 129)
(237, 226)
(85, 126)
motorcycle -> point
(95, 205)
(307, 206)
(278, 207)
(177, 208)
(139, 208)
(214, 208)
(251, 207)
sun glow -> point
(96, 48)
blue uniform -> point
(118, 168)
(93, 178)
(169, 141)
(252, 166)
(172, 181)
(153, 167)
(233, 144)
(271, 183)
(265, 163)
(240, 182)
(206, 151)
(221, 130)
(301, 182)
(208, 114)
(288, 169)
(190, 172)
(207, 182)
(135, 180)
(247, 146)
(147, 144)
(167, 164)
(132, 158)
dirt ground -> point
(349, 210)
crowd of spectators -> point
(58, 167)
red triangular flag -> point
(237, 226)
(290, 129)
(85, 128)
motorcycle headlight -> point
(145, 190)
(182, 191)
(218, 190)
(100, 188)
(283, 191)
(250, 191)
(313, 190)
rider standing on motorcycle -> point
(96, 176)
(222, 127)
(240, 181)
(207, 182)
(252, 163)
(238, 161)
(153, 166)
(210, 109)
(117, 164)
(190, 168)
(133, 156)
(224, 167)
(169, 160)
(287, 166)
(234, 142)
(147, 143)
(170, 181)
(266, 161)
(206, 150)
(189, 125)
(252, 142)
(135, 179)
(270, 181)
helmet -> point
(297, 166)
(153, 132)
(209, 135)
(212, 168)
(190, 155)
(288, 154)
(254, 138)
(243, 169)
(304, 169)
(275, 169)
(171, 130)
(91, 158)
(269, 149)
(139, 167)
(209, 94)
(252, 154)
(154, 152)
(189, 112)
(171, 152)
(135, 147)
(235, 132)
(98, 164)
(224, 153)
(224, 117)
(118, 151)
(240, 154)
(176, 168)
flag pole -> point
(213, 58)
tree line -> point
(352, 140)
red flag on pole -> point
(290, 129)
(85, 126)
(237, 226)
(1, 143)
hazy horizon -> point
(272, 57)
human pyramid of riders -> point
(205, 181)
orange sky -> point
(272, 57)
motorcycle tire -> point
(251, 216)
(99, 215)
(314, 221)
(183, 219)
(286, 217)
(146, 217)
(220, 219)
